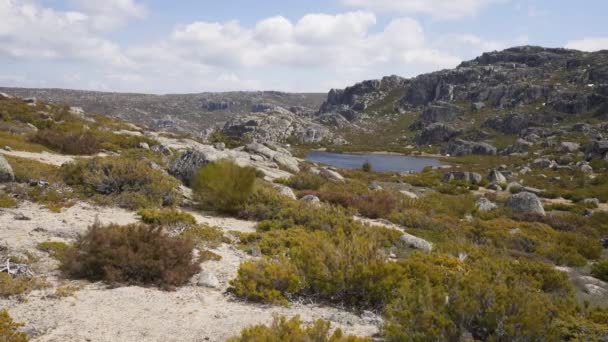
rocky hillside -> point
(523, 92)
(191, 113)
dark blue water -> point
(380, 162)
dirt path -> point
(46, 157)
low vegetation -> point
(10, 330)
(224, 186)
(293, 330)
(135, 254)
(125, 180)
(19, 285)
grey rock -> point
(586, 168)
(8, 148)
(416, 242)
(497, 177)
(459, 147)
(436, 133)
(6, 171)
(592, 201)
(310, 199)
(524, 170)
(470, 177)
(525, 203)
(220, 146)
(143, 146)
(568, 147)
(519, 146)
(542, 163)
(285, 191)
(598, 149)
(207, 279)
(495, 187)
(485, 205)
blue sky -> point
(157, 46)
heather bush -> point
(600, 269)
(366, 167)
(129, 182)
(166, 217)
(224, 186)
(136, 254)
(204, 235)
(304, 180)
(292, 330)
(9, 329)
(19, 285)
(56, 249)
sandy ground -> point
(97, 313)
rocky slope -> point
(527, 92)
(196, 114)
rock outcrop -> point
(459, 147)
(436, 133)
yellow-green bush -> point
(283, 330)
(224, 186)
(600, 269)
(56, 249)
(135, 254)
(128, 182)
(208, 236)
(7, 201)
(166, 217)
(9, 329)
(304, 180)
(19, 285)
(267, 280)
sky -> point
(190, 46)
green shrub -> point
(600, 269)
(9, 329)
(55, 248)
(166, 217)
(208, 236)
(207, 255)
(19, 285)
(304, 180)
(292, 330)
(7, 201)
(129, 182)
(266, 280)
(366, 167)
(28, 169)
(372, 204)
(224, 186)
(135, 254)
(69, 139)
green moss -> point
(56, 249)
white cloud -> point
(33, 32)
(441, 9)
(109, 14)
(589, 44)
(309, 54)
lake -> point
(380, 162)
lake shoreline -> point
(382, 162)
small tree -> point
(224, 186)
(367, 166)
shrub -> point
(266, 280)
(600, 269)
(292, 330)
(372, 204)
(166, 217)
(135, 254)
(55, 248)
(206, 255)
(69, 139)
(129, 182)
(208, 236)
(7, 201)
(224, 186)
(366, 167)
(19, 285)
(304, 180)
(9, 329)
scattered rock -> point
(435, 134)
(409, 194)
(497, 177)
(6, 171)
(285, 191)
(220, 146)
(207, 279)
(21, 217)
(143, 146)
(526, 203)
(485, 205)
(470, 177)
(310, 199)
(568, 147)
(416, 242)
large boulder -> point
(459, 147)
(188, 163)
(510, 124)
(416, 242)
(6, 171)
(568, 147)
(525, 203)
(519, 146)
(282, 158)
(465, 176)
(436, 133)
(598, 149)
